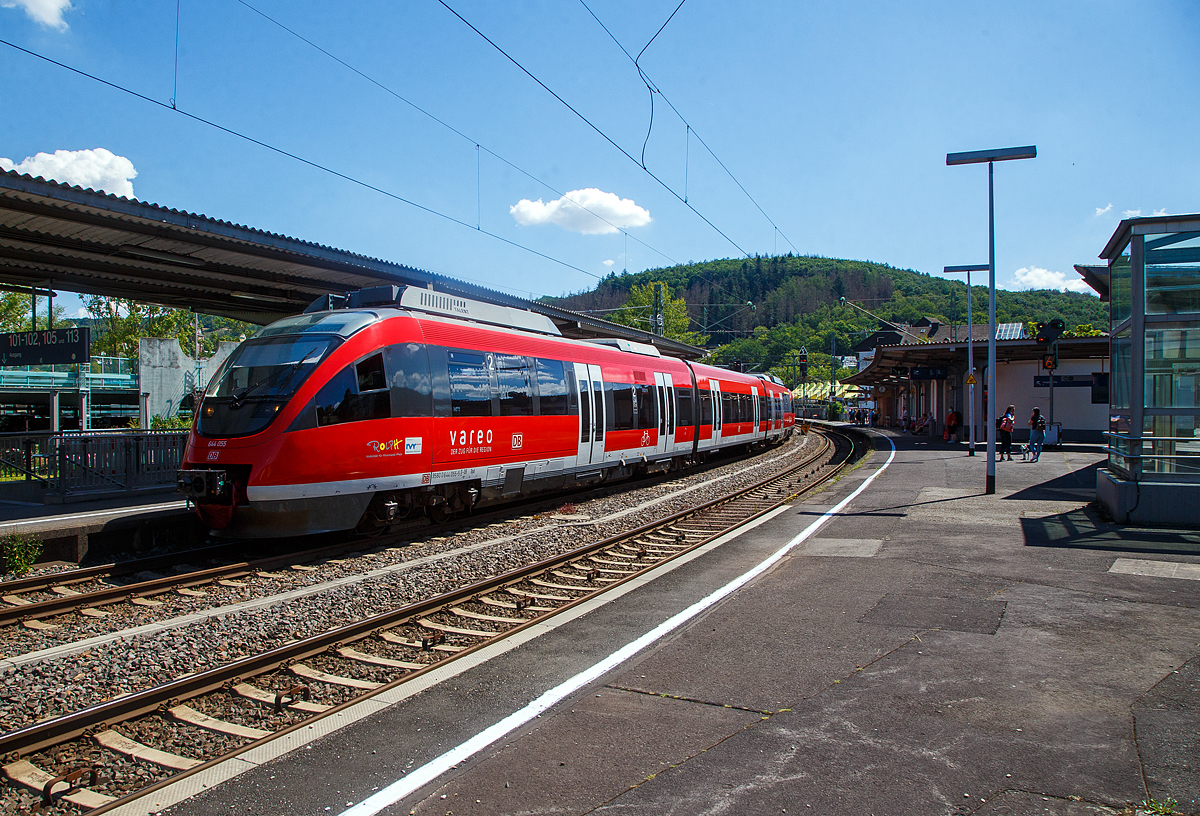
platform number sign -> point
(518, 441)
(46, 347)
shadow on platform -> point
(1085, 529)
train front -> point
(241, 434)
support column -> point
(55, 416)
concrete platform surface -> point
(930, 650)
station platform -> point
(71, 532)
(923, 648)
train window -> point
(619, 402)
(344, 399)
(409, 380)
(552, 388)
(514, 385)
(470, 384)
(662, 414)
(726, 409)
(644, 405)
(370, 374)
(706, 412)
(585, 411)
(683, 406)
(572, 392)
(598, 406)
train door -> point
(754, 409)
(591, 414)
(718, 411)
(666, 413)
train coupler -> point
(203, 484)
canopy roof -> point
(56, 235)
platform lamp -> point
(991, 157)
(970, 351)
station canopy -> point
(58, 236)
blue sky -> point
(835, 117)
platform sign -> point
(46, 347)
(1063, 381)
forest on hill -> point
(758, 311)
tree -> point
(639, 307)
(15, 311)
(120, 323)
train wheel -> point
(439, 513)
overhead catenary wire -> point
(478, 146)
(296, 157)
(654, 89)
(594, 127)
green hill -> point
(796, 303)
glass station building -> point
(1153, 287)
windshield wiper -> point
(236, 400)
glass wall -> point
(1120, 285)
(1173, 274)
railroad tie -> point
(92, 612)
(464, 613)
(139, 601)
(455, 630)
(191, 716)
(14, 600)
(39, 626)
(118, 743)
(400, 640)
(538, 595)
(376, 660)
(309, 673)
(267, 699)
(64, 591)
(191, 593)
(548, 585)
(25, 773)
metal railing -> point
(1170, 458)
(102, 373)
(78, 465)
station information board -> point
(46, 347)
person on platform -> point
(1037, 433)
(1007, 423)
(951, 426)
(922, 427)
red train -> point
(389, 401)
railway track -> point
(104, 756)
(91, 591)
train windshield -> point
(257, 380)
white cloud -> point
(80, 312)
(47, 12)
(1163, 211)
(1038, 278)
(1102, 210)
(1131, 214)
(588, 211)
(609, 262)
(99, 169)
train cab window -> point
(514, 385)
(470, 384)
(357, 392)
(683, 406)
(552, 388)
(409, 380)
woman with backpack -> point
(1007, 423)
(1037, 433)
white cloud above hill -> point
(588, 211)
(1037, 278)
(99, 169)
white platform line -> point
(431, 770)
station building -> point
(923, 370)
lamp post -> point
(991, 157)
(970, 351)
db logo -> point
(424, 478)
(645, 438)
(518, 441)
(213, 455)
